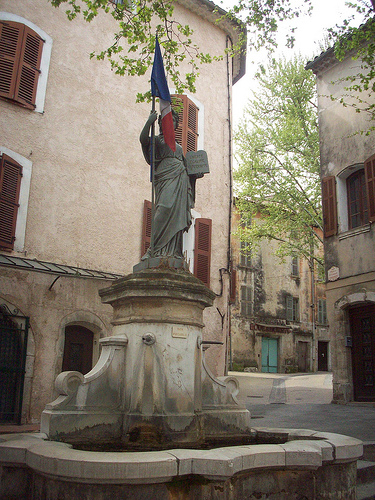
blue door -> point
(269, 355)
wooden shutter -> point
(289, 308)
(370, 187)
(233, 283)
(202, 250)
(146, 227)
(11, 35)
(10, 183)
(329, 206)
(187, 131)
(20, 56)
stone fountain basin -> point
(315, 464)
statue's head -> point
(175, 117)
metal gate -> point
(13, 344)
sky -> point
(310, 31)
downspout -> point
(229, 340)
(312, 270)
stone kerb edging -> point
(305, 448)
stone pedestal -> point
(150, 388)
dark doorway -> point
(78, 349)
(13, 342)
(322, 356)
(362, 327)
(303, 356)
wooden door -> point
(78, 349)
(269, 355)
(303, 356)
(362, 327)
(322, 356)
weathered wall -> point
(271, 281)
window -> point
(245, 300)
(245, 256)
(357, 199)
(202, 250)
(322, 311)
(295, 266)
(370, 186)
(10, 183)
(353, 205)
(187, 131)
(329, 206)
(25, 52)
(21, 52)
(292, 308)
(15, 176)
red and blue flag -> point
(159, 88)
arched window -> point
(357, 199)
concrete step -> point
(365, 471)
(366, 491)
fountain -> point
(150, 421)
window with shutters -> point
(329, 206)
(245, 254)
(245, 300)
(24, 59)
(292, 308)
(322, 311)
(202, 250)
(370, 186)
(357, 199)
(10, 183)
(295, 267)
(187, 131)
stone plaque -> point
(333, 273)
(197, 162)
(179, 332)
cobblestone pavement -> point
(303, 401)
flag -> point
(159, 88)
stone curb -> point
(304, 448)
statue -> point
(174, 193)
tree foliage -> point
(277, 180)
(138, 21)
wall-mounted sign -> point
(333, 273)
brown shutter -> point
(10, 183)
(11, 36)
(233, 282)
(192, 126)
(187, 131)
(146, 227)
(202, 250)
(329, 206)
(20, 56)
(370, 186)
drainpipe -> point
(313, 312)
(229, 340)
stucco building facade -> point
(279, 322)
(78, 185)
(348, 173)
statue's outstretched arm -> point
(144, 137)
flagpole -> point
(152, 159)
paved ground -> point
(303, 401)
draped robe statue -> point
(174, 196)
